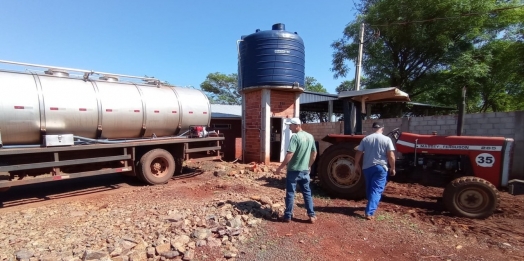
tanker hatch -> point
(152, 81)
(57, 72)
(109, 78)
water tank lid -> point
(56, 72)
(109, 78)
(279, 26)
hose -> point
(79, 140)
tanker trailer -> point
(65, 123)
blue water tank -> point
(272, 58)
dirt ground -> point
(411, 222)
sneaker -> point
(313, 219)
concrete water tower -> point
(271, 78)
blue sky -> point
(176, 41)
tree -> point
(345, 86)
(312, 85)
(416, 42)
(222, 88)
(350, 85)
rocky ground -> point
(219, 211)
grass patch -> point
(320, 195)
(384, 217)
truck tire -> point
(471, 197)
(337, 173)
(179, 166)
(156, 167)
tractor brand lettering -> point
(450, 147)
(282, 51)
(443, 147)
(485, 160)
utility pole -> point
(357, 78)
(359, 58)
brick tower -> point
(271, 79)
(260, 108)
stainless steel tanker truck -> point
(62, 123)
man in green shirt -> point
(300, 156)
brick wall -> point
(282, 104)
(320, 130)
(253, 121)
(496, 124)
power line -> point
(449, 17)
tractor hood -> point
(391, 94)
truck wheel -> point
(471, 197)
(156, 167)
(337, 172)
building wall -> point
(253, 121)
(495, 124)
(230, 135)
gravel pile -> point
(129, 227)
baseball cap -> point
(294, 121)
(377, 125)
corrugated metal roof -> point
(312, 97)
(226, 111)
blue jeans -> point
(302, 179)
(375, 183)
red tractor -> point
(472, 167)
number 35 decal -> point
(485, 160)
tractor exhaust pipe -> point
(462, 109)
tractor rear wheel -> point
(471, 197)
(157, 166)
(337, 172)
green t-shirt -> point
(301, 144)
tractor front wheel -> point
(471, 197)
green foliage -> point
(491, 74)
(311, 84)
(432, 48)
(222, 88)
(350, 85)
(345, 86)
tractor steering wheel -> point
(394, 134)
